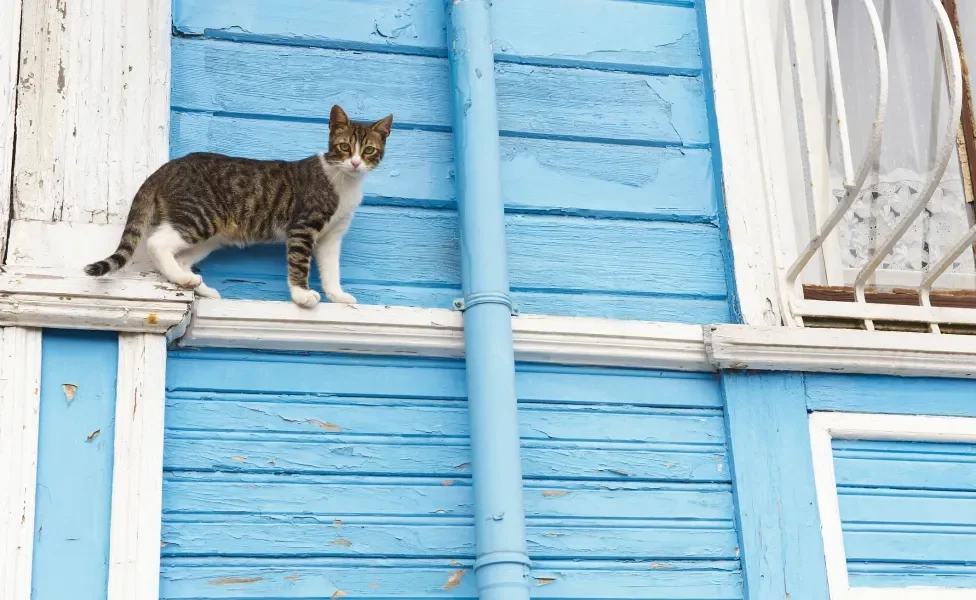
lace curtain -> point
(916, 120)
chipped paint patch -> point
(325, 425)
(541, 581)
(293, 577)
(235, 580)
(152, 319)
(454, 580)
(70, 390)
(447, 482)
(554, 493)
(94, 434)
(239, 459)
(339, 594)
(341, 542)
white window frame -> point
(828, 426)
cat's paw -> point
(205, 291)
(305, 298)
(340, 297)
(190, 280)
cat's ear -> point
(383, 126)
(338, 117)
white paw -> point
(205, 291)
(340, 297)
(305, 298)
(191, 280)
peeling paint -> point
(324, 425)
(94, 434)
(341, 542)
(454, 580)
(70, 390)
(239, 459)
(235, 580)
(554, 493)
(540, 581)
(293, 577)
(152, 319)
(339, 594)
(447, 482)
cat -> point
(202, 201)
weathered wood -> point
(591, 33)
(93, 107)
(776, 503)
(10, 13)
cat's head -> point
(356, 147)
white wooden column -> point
(20, 384)
(92, 123)
(137, 474)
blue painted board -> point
(74, 465)
(444, 578)
(775, 499)
(292, 82)
(288, 468)
(908, 511)
(891, 395)
(538, 176)
(638, 36)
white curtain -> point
(915, 125)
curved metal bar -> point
(871, 153)
(833, 62)
(942, 161)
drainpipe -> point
(502, 567)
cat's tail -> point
(135, 228)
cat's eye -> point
(344, 147)
(368, 150)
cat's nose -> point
(355, 162)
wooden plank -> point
(590, 33)
(244, 579)
(896, 296)
(420, 420)
(776, 503)
(304, 82)
(901, 465)
(890, 395)
(921, 549)
(302, 494)
(93, 111)
(364, 537)
(575, 178)
(10, 13)
(908, 507)
(75, 453)
(301, 377)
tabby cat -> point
(200, 202)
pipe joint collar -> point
(503, 298)
(502, 558)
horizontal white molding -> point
(884, 312)
(408, 331)
(34, 297)
(841, 351)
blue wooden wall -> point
(304, 476)
(608, 174)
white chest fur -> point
(349, 188)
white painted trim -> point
(438, 332)
(20, 382)
(827, 426)
(841, 351)
(50, 298)
(137, 475)
(10, 11)
(754, 170)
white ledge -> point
(439, 333)
(35, 297)
(841, 351)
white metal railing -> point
(853, 183)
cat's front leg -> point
(327, 256)
(300, 241)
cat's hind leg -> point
(164, 244)
(196, 253)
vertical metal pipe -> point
(502, 566)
